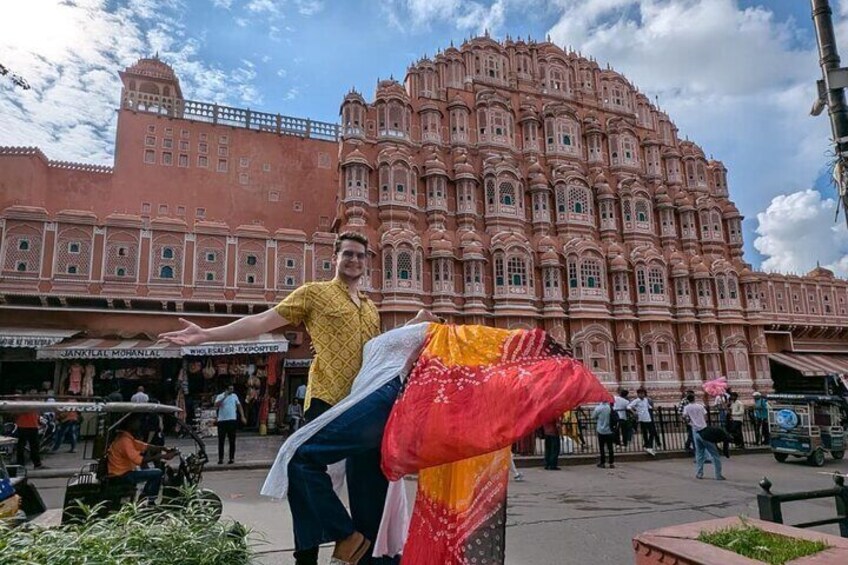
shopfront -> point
(253, 367)
(20, 369)
(99, 367)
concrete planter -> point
(679, 545)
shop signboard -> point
(260, 348)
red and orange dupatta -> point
(474, 391)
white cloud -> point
(420, 15)
(798, 230)
(70, 54)
(291, 93)
(309, 7)
(225, 4)
(268, 7)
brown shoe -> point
(351, 549)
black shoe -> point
(220, 461)
(230, 462)
(602, 466)
(554, 468)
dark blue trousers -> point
(317, 513)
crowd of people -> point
(616, 423)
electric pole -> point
(831, 90)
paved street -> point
(580, 514)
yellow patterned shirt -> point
(338, 329)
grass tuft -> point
(755, 543)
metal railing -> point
(770, 504)
(580, 437)
(228, 116)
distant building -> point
(510, 184)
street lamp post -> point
(831, 91)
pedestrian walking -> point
(736, 420)
(515, 473)
(67, 430)
(621, 402)
(708, 439)
(606, 435)
(695, 415)
(641, 406)
(294, 414)
(721, 403)
(690, 442)
(762, 433)
(229, 408)
(140, 397)
(27, 424)
(553, 444)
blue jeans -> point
(152, 479)
(318, 515)
(66, 429)
(702, 447)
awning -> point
(110, 349)
(261, 345)
(33, 337)
(813, 365)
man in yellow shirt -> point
(340, 319)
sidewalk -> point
(258, 452)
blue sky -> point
(737, 77)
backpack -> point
(614, 419)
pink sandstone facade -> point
(511, 184)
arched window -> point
(517, 272)
(590, 274)
(167, 253)
(656, 278)
(404, 266)
(627, 213)
(715, 218)
(643, 214)
(507, 194)
(166, 272)
(388, 269)
(561, 202)
(579, 204)
(490, 196)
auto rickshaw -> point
(807, 426)
(91, 484)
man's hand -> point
(191, 334)
(425, 316)
(170, 454)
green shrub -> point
(187, 535)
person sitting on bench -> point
(127, 457)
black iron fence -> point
(579, 433)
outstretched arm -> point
(243, 328)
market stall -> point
(252, 366)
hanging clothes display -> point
(272, 368)
(88, 380)
(75, 373)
